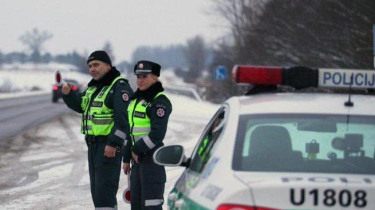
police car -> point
(283, 150)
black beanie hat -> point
(146, 67)
(101, 56)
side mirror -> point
(172, 155)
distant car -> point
(275, 149)
(56, 90)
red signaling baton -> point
(126, 193)
(58, 79)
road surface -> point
(45, 167)
(21, 113)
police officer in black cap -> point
(148, 114)
(104, 125)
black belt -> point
(145, 155)
(95, 139)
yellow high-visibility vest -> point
(139, 122)
(97, 118)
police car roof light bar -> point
(304, 77)
(297, 77)
(300, 77)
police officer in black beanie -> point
(104, 125)
(148, 114)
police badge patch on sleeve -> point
(160, 112)
(125, 96)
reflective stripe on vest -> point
(139, 122)
(97, 118)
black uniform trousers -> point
(147, 182)
(104, 173)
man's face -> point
(98, 69)
(145, 81)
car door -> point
(179, 198)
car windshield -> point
(305, 143)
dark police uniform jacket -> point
(158, 111)
(117, 99)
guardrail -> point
(185, 91)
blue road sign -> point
(220, 73)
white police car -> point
(283, 150)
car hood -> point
(310, 191)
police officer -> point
(104, 124)
(148, 114)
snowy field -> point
(27, 79)
(59, 171)
(18, 80)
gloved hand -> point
(66, 88)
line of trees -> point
(186, 59)
(34, 40)
(189, 61)
(22, 57)
(319, 33)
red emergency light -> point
(257, 75)
(297, 77)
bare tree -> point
(195, 55)
(242, 16)
(321, 33)
(109, 49)
(34, 40)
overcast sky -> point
(85, 25)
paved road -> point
(45, 167)
(22, 113)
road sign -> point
(220, 73)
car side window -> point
(208, 140)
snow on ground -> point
(22, 79)
(57, 171)
(54, 167)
